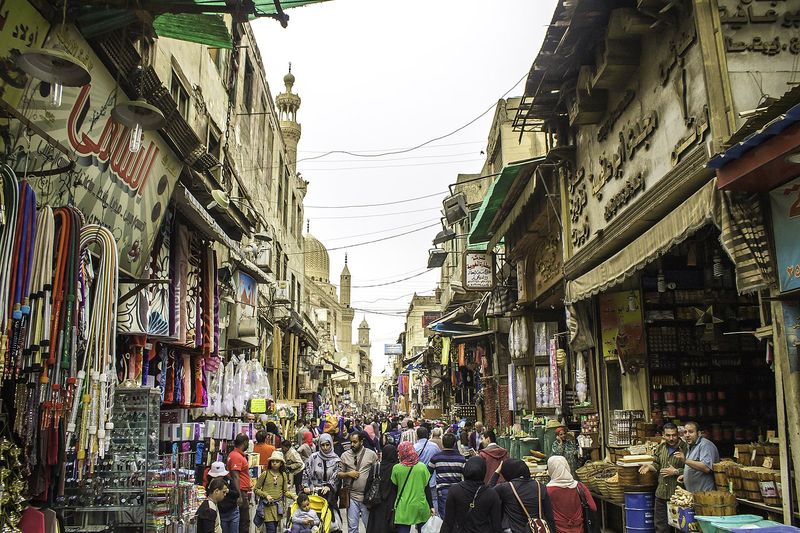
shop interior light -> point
(139, 116)
(793, 158)
(55, 67)
(436, 257)
(455, 208)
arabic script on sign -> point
(478, 271)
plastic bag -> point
(433, 525)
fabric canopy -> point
(742, 237)
(201, 28)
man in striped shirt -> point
(448, 468)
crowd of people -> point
(388, 475)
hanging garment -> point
(445, 351)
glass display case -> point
(113, 495)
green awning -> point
(200, 28)
(493, 201)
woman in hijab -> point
(380, 514)
(322, 472)
(520, 487)
(565, 496)
(414, 503)
(371, 442)
(472, 507)
(307, 447)
(436, 437)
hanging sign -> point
(393, 349)
(785, 203)
(22, 29)
(126, 192)
(622, 328)
(478, 271)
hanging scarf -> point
(560, 475)
(408, 455)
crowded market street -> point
(521, 266)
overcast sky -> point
(383, 75)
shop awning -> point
(493, 201)
(474, 336)
(339, 368)
(742, 236)
(413, 358)
(188, 205)
(514, 212)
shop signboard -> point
(22, 29)
(393, 349)
(622, 328)
(124, 191)
(785, 203)
(479, 271)
(430, 316)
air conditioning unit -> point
(264, 257)
(281, 292)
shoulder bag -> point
(372, 494)
(590, 524)
(399, 495)
(535, 525)
(344, 489)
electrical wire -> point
(429, 141)
(379, 214)
(393, 166)
(383, 299)
(391, 282)
(382, 231)
(386, 149)
(374, 205)
(355, 245)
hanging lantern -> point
(55, 67)
(138, 116)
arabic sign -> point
(785, 203)
(393, 349)
(621, 325)
(124, 191)
(22, 28)
(478, 271)
(430, 316)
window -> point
(298, 292)
(180, 95)
(219, 56)
(278, 261)
(214, 145)
(269, 137)
(299, 221)
(292, 292)
(280, 197)
(285, 266)
(247, 91)
(293, 218)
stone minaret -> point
(347, 312)
(363, 335)
(288, 103)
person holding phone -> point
(669, 465)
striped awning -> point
(743, 236)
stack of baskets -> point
(714, 503)
(587, 474)
(608, 484)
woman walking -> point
(380, 515)
(272, 489)
(463, 445)
(307, 447)
(436, 437)
(414, 503)
(565, 496)
(522, 497)
(322, 474)
(472, 507)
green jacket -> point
(667, 485)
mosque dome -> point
(318, 263)
(289, 78)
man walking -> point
(410, 434)
(476, 436)
(698, 473)
(492, 453)
(668, 468)
(356, 465)
(239, 468)
(447, 467)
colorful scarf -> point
(408, 455)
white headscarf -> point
(560, 476)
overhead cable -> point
(375, 205)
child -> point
(207, 514)
(272, 489)
(304, 520)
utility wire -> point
(382, 231)
(390, 282)
(379, 214)
(386, 149)
(375, 205)
(370, 242)
(384, 299)
(406, 150)
(393, 166)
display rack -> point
(172, 494)
(115, 493)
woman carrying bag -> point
(526, 505)
(472, 507)
(414, 503)
(380, 514)
(572, 503)
(272, 488)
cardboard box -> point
(682, 518)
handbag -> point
(372, 494)
(590, 523)
(399, 495)
(535, 525)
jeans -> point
(230, 521)
(270, 527)
(660, 516)
(353, 512)
(441, 500)
(401, 528)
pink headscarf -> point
(408, 455)
(308, 438)
(370, 431)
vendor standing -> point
(668, 467)
(698, 473)
(566, 446)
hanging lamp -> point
(55, 67)
(138, 116)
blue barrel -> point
(639, 512)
